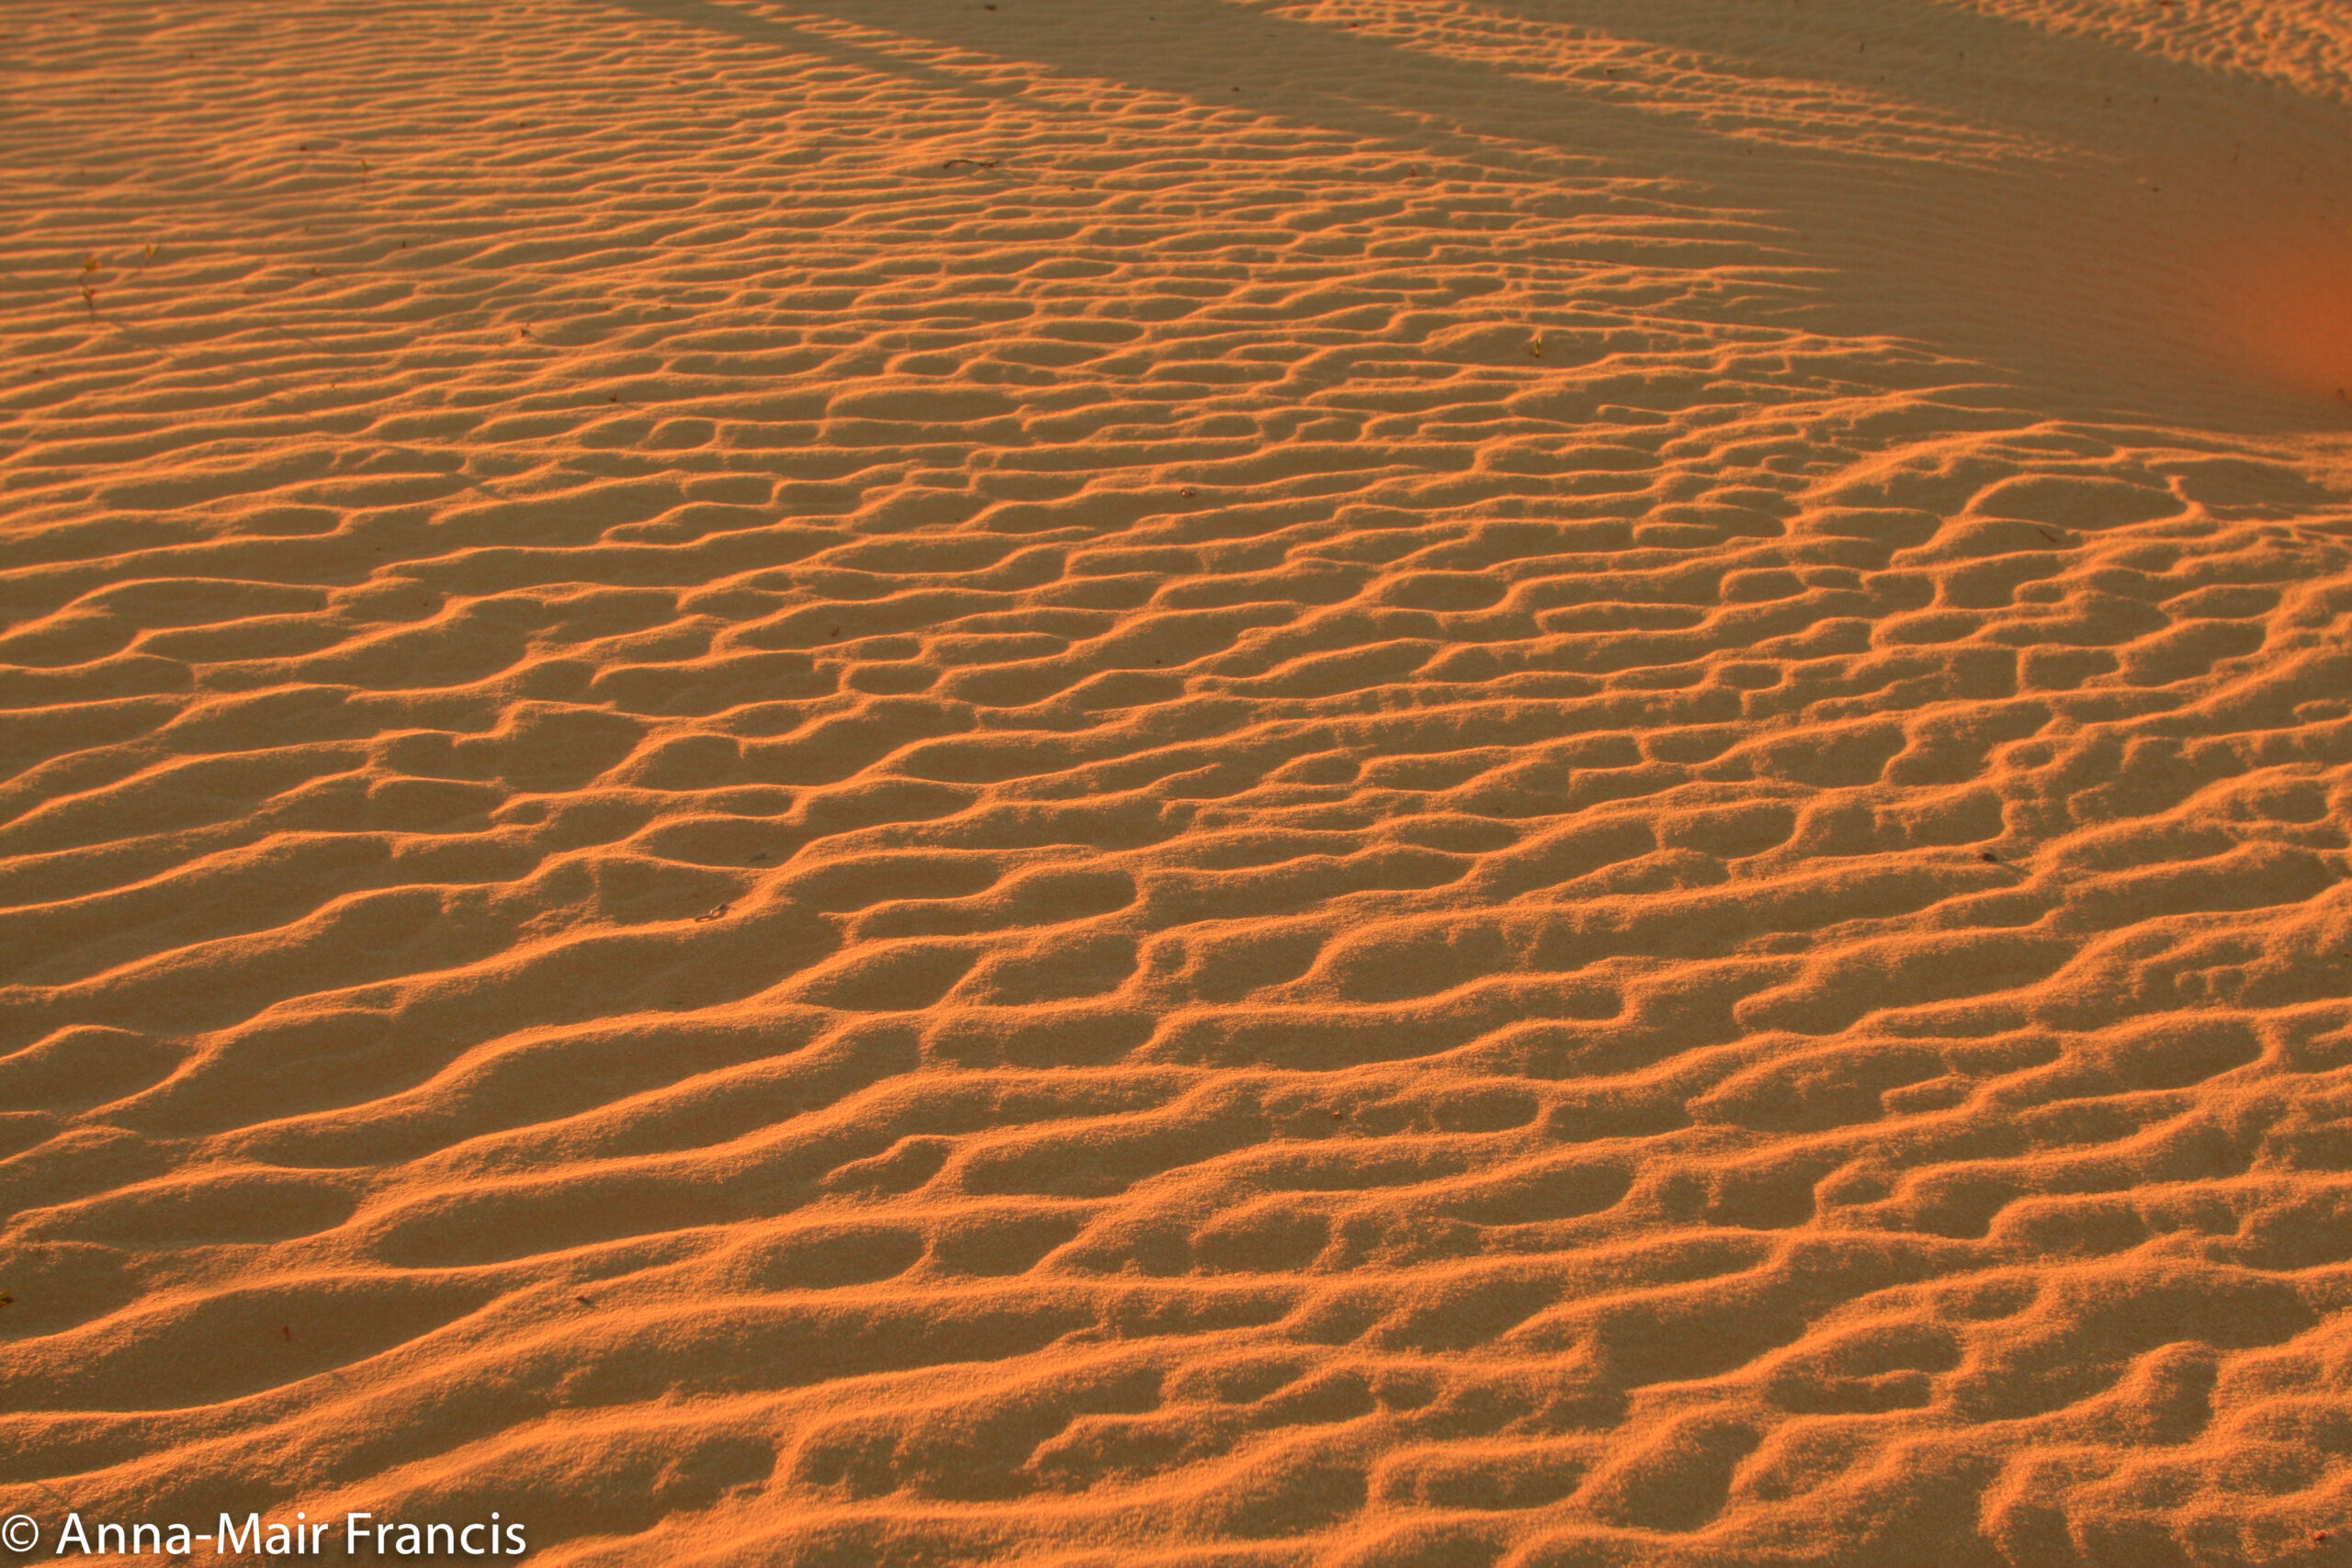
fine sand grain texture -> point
(1212, 783)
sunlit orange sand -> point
(1445, 783)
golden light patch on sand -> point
(2291, 315)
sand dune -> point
(1460, 782)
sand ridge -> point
(1281, 784)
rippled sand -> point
(1422, 782)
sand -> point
(1239, 783)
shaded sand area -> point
(1211, 782)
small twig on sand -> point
(53, 1497)
(305, 337)
(142, 339)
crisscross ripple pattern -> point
(1193, 782)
